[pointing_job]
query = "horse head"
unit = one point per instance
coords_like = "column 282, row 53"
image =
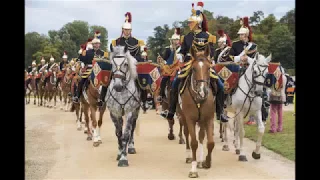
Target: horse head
column 258, row 70
column 200, row 72
column 123, row 67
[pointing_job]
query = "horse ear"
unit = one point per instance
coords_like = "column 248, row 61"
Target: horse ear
column 207, row 50
column 193, row 53
column 268, row 59
column 256, row 56
column 111, row 48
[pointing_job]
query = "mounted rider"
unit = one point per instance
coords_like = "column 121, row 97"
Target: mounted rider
column 51, row 62
column 92, row 50
column 42, row 63
column 243, row 48
column 169, row 56
column 144, row 53
column 134, row 47
column 198, row 37
column 62, row 66
column 224, row 44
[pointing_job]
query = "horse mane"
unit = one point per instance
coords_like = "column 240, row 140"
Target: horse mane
column 131, row 60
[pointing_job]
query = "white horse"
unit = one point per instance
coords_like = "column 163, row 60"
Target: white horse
column 123, row 98
column 247, row 99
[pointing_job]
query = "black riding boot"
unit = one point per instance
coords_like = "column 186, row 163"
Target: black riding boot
column 102, row 97
column 220, row 105
column 162, row 88
column 37, row 81
column 173, row 101
column 45, row 81
column 81, row 83
column 58, row 80
column 143, row 96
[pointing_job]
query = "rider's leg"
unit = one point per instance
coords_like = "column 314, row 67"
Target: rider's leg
column 102, row 97
column 220, row 101
column 162, row 87
column 173, row 99
column 37, row 81
column 45, row 81
column 143, row 96
column 81, row 83
column 58, row 80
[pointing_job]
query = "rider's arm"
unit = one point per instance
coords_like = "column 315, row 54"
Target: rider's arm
column 232, row 53
column 166, row 54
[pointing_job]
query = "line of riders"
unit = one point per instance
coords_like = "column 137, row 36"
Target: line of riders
column 179, row 50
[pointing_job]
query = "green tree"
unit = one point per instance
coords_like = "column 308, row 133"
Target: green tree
column 33, row 43
column 158, row 43
column 104, row 35
column 257, row 17
column 267, row 24
column 290, row 20
column 78, row 31
column 282, row 46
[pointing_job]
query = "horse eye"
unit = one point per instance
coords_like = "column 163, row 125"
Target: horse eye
column 255, row 72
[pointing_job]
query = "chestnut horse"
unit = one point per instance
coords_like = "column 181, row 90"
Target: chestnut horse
column 198, row 107
column 65, row 85
column 50, row 87
column 41, row 85
column 31, row 87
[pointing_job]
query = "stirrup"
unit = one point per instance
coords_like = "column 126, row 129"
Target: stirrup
column 75, row 99
column 164, row 113
column 100, row 103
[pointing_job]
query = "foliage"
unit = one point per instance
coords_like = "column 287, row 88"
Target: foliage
column 68, row 38
column 283, row 142
column 276, row 37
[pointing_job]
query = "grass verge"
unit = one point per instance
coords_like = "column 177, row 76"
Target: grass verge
column 281, row 142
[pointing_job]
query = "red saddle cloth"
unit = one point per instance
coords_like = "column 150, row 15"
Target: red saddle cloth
column 228, row 74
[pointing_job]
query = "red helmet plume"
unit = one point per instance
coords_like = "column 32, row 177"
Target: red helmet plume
column 129, row 17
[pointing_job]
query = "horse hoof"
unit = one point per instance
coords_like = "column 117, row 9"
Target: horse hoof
column 79, row 128
column 89, row 138
column 181, row 141
column 61, row 108
column 118, row 157
column 237, row 151
column 206, row 165
column 132, row 151
column 85, row 131
column 255, row 155
column 188, row 160
column 99, row 141
column 83, row 122
column 193, row 175
column 96, row 144
column 220, row 136
column 242, row 158
column 171, row 136
column 34, row 103
column 199, row 165
column 222, row 140
column 225, row 148
column 123, row 163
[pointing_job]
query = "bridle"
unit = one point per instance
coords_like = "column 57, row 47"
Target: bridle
column 123, row 74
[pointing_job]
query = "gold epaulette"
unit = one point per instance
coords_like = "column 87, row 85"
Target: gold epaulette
column 182, row 38
column 106, row 54
column 84, row 52
column 141, row 42
column 231, row 57
column 212, row 38
column 113, row 42
column 235, row 41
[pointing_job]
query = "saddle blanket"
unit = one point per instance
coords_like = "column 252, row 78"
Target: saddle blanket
column 148, row 76
column 228, row 73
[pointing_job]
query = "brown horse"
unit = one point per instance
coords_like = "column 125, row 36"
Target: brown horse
column 89, row 99
column 41, row 88
column 66, row 89
column 198, row 107
column 31, row 87
column 77, row 106
column 50, row 87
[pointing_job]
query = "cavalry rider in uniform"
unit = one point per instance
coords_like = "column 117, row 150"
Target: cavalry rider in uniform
column 134, row 47
column 89, row 55
column 51, row 62
column 224, row 44
column 169, row 57
column 62, row 65
column 244, row 48
column 198, row 36
column 42, row 63
column 144, row 54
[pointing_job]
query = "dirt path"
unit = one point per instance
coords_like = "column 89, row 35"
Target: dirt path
column 56, row 150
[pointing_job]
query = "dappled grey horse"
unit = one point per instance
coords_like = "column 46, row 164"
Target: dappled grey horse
column 123, row 98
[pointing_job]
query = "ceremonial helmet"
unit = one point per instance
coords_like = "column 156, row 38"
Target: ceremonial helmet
column 144, row 52
column 96, row 38
column 72, row 62
column 89, row 44
column 51, row 59
column 65, row 56
column 224, row 38
column 176, row 35
column 82, row 47
column 42, row 60
column 33, row 63
column 245, row 28
column 127, row 23
column 198, row 16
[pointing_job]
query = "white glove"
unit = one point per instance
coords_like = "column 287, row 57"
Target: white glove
column 73, row 68
column 82, row 65
column 179, row 57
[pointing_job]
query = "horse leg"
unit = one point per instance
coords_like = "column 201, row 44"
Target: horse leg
column 181, row 140
column 131, row 117
column 236, row 134
column 55, row 98
column 87, row 127
column 261, row 128
column 210, row 144
column 101, row 112
column 194, row 146
column 93, row 110
column 201, row 138
column 35, row 97
column 171, row 136
column 77, row 107
column 61, row 104
column 131, row 149
column 118, row 122
column 225, row 147
column 188, row 152
column 65, row 96
column 220, row 130
column 242, row 156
